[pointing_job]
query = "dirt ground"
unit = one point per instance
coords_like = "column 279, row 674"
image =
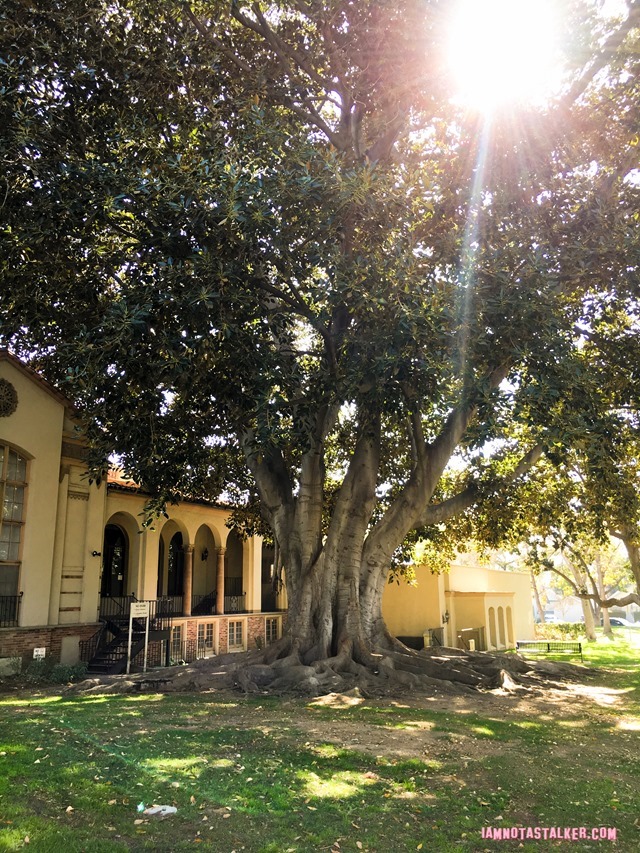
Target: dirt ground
column 418, row 739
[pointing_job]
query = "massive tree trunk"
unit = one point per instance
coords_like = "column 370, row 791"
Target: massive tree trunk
column 336, row 568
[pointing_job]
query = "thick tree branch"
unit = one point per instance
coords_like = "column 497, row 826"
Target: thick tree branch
column 273, row 481
column 607, row 53
column 206, row 33
column 438, row 513
column 620, row 601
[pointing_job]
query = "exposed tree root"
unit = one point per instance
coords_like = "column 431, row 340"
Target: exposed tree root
column 389, row 671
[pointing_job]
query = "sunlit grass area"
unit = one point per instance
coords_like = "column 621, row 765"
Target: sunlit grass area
column 276, row 776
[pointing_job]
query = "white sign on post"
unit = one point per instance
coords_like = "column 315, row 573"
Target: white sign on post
column 39, row 654
column 139, row 610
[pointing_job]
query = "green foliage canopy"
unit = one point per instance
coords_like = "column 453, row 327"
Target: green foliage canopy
column 267, row 236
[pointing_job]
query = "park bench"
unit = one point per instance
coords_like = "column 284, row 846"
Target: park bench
column 550, row 647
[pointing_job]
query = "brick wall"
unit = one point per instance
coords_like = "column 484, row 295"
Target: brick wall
column 20, row 642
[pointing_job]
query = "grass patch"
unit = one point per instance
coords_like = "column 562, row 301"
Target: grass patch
column 250, row 774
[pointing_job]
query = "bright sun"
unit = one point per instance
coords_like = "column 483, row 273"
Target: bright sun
column 504, row 52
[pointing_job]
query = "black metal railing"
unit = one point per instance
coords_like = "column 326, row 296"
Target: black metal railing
column 115, row 606
column 163, row 610
column 187, row 651
column 235, row 603
column 204, row 605
column 119, row 607
column 9, row 610
column 88, row 648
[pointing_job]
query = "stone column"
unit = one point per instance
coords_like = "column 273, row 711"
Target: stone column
column 187, row 588
column 220, row 582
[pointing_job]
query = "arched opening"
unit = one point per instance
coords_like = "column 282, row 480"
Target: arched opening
column 501, row 627
column 268, row 590
column 234, row 594
column 13, row 487
column 205, row 566
column 175, row 566
column 160, row 587
column 115, row 562
column 510, row 638
column 492, row 628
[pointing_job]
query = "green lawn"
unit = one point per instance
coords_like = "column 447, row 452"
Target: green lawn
column 262, row 775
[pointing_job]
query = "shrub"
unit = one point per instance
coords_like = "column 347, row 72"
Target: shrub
column 46, row 672
column 560, row 631
column 62, row 673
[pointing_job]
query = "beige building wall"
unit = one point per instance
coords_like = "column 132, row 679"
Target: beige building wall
column 35, row 431
column 410, row 609
column 467, row 597
column 493, row 582
column 63, row 514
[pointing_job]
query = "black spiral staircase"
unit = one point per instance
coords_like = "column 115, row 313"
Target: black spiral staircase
column 106, row 652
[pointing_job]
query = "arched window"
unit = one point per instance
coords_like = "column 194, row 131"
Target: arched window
column 114, row 566
column 13, row 487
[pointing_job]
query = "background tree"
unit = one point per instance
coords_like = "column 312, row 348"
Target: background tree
column 267, row 237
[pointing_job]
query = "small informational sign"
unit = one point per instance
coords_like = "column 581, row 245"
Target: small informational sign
column 39, row 654
column 138, row 610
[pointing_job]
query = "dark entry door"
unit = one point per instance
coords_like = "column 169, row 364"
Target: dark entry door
column 114, row 565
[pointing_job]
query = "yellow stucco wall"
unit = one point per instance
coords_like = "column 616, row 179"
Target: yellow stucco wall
column 35, row 431
column 63, row 514
column 410, row 609
column 467, row 578
column 466, row 592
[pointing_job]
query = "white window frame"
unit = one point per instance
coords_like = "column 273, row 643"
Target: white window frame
column 14, row 524
column 277, row 620
column 243, row 624
column 204, row 650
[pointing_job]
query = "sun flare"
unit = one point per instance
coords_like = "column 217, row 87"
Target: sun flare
column 504, row 52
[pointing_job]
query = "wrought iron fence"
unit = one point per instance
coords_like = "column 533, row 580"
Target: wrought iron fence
column 204, row 605
column 235, row 604
column 88, row 648
column 119, row 607
column 9, row 610
column 233, row 586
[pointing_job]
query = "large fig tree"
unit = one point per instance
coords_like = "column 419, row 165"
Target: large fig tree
column 263, row 242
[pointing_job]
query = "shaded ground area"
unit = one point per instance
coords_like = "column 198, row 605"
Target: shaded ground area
column 433, row 672
column 341, row 772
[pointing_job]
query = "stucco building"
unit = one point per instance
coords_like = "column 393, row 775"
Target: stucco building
column 73, row 555
column 471, row 605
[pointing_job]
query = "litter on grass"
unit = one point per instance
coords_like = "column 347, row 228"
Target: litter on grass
column 160, row 811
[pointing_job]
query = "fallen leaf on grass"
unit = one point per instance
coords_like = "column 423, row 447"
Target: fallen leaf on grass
column 69, row 809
